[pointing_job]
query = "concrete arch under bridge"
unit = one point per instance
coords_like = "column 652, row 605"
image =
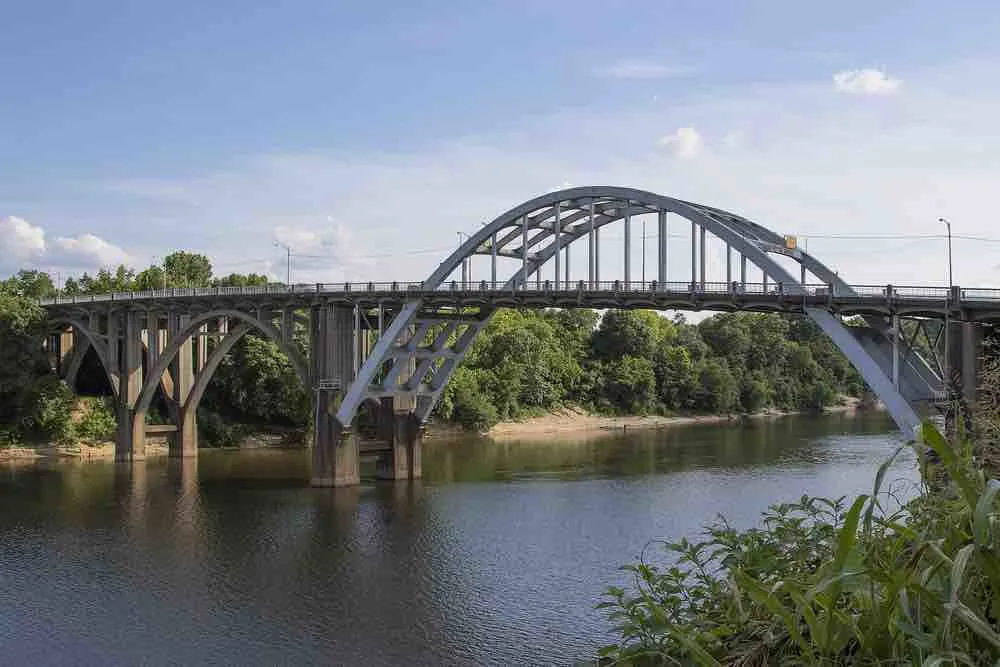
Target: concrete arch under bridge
column 397, row 345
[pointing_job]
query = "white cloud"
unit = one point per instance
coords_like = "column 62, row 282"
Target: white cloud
column 20, row 239
column 24, row 245
column 866, row 81
column 641, row 69
column 326, row 252
column 684, row 142
column 86, row 251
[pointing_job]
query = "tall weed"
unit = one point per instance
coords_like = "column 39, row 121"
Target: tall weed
column 828, row 582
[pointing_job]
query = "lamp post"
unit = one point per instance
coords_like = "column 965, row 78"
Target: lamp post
column 947, row 314
column 288, row 262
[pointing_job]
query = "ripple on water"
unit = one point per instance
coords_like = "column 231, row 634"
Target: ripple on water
column 498, row 557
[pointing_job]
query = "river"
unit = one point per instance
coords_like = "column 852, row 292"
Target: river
column 497, row 557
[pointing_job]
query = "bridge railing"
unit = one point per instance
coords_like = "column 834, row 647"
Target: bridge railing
column 402, row 289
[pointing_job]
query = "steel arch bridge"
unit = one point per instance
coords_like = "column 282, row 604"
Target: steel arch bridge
column 402, row 364
column 538, row 234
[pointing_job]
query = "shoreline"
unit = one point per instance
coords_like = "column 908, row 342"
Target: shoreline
column 103, row 451
column 575, row 421
column 566, row 422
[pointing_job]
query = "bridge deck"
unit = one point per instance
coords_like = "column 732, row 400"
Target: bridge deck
column 934, row 302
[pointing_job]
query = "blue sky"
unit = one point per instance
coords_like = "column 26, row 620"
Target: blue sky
column 360, row 132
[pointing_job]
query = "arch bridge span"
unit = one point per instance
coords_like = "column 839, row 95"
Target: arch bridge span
column 396, row 345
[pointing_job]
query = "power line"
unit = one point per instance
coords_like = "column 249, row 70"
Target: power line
column 898, row 237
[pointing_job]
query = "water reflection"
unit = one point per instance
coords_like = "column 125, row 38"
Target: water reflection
column 496, row 557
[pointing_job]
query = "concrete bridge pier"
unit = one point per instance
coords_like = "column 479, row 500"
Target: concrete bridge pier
column 402, row 431
column 125, row 354
column 965, row 350
column 335, row 456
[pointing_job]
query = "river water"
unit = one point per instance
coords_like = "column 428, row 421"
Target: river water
column 497, row 557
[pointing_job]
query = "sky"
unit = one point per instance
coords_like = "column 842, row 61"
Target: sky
column 366, row 136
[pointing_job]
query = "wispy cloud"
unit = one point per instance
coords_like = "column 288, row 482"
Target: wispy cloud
column 633, row 68
column 866, row 81
column 684, row 143
column 806, row 164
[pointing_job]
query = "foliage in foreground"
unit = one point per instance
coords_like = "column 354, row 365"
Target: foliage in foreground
column 824, row 583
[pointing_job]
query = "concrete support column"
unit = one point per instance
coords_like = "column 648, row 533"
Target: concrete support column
column 404, row 434
column 969, row 361
column 185, row 443
column 65, row 351
column 130, row 443
column 201, row 345
column 335, row 446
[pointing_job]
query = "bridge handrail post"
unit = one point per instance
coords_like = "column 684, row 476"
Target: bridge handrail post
column 888, row 294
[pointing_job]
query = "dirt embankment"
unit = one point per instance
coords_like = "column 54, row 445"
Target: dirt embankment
column 100, row 451
column 575, row 420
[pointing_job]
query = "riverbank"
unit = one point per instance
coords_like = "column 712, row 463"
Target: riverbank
column 101, row 451
column 567, row 422
column 576, row 421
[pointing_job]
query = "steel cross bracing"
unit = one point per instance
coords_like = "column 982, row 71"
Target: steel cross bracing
column 404, row 340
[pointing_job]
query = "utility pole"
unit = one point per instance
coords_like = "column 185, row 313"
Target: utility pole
column 947, row 315
column 288, row 262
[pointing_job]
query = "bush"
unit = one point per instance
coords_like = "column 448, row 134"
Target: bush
column 97, row 421
column 824, row 583
column 214, row 430
column 49, row 406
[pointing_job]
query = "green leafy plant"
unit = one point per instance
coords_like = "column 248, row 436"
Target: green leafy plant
column 824, row 582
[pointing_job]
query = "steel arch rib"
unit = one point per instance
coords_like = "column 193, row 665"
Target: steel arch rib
column 746, row 237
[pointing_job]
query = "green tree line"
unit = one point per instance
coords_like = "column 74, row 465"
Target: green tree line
column 524, row 363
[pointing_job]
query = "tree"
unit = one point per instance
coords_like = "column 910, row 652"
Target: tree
column 674, row 372
column 122, row 280
column 152, row 278
column 241, row 280
column 186, row 269
column 29, row 284
column 716, row 389
column 33, row 402
column 630, row 384
column 632, row 333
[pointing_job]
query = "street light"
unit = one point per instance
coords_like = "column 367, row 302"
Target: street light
column 288, row 261
column 947, row 314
